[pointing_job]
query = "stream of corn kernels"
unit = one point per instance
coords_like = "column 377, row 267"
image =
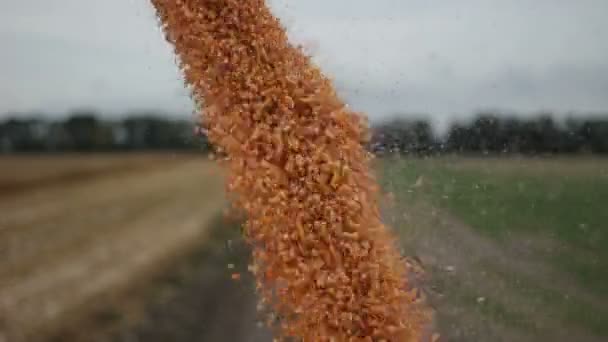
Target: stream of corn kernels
column 324, row 262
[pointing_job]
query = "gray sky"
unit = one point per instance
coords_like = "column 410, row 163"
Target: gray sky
column 441, row 57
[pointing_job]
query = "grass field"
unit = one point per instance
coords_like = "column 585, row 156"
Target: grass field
column 518, row 247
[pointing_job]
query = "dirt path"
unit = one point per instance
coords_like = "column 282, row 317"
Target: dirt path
column 60, row 247
column 209, row 305
column 195, row 299
column 489, row 291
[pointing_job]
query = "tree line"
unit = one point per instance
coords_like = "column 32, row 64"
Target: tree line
column 85, row 131
column 489, row 133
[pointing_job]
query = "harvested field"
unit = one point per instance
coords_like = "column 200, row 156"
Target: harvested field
column 146, row 255
column 20, row 173
column 65, row 240
column 195, row 299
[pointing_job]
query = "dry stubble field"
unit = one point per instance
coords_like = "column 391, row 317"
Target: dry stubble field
column 77, row 229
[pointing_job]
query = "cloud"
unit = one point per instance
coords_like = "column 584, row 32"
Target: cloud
column 386, row 56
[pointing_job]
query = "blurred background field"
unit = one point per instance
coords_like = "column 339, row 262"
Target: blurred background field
column 112, row 229
column 516, row 247
column 134, row 246
column 74, row 227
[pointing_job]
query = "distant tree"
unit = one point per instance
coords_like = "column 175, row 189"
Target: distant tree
column 485, row 134
column 403, row 136
column 423, row 141
column 458, row 138
column 488, row 133
column 149, row 131
column 57, row 138
column 510, row 137
column 551, row 140
column 22, row 135
column 493, row 133
column 595, row 135
column 86, row 132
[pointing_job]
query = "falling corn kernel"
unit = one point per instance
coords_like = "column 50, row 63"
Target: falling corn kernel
column 325, row 264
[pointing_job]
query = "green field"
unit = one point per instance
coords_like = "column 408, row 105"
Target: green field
column 531, row 232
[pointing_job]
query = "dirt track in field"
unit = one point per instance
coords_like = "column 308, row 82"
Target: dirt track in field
column 483, row 290
column 71, row 240
column 194, row 299
column 198, row 300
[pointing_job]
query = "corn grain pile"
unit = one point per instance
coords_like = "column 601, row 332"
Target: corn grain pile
column 324, row 261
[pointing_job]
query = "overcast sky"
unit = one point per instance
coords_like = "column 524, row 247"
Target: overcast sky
column 445, row 58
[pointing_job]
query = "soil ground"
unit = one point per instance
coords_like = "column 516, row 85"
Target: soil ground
column 196, row 299
column 139, row 251
column 77, row 228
